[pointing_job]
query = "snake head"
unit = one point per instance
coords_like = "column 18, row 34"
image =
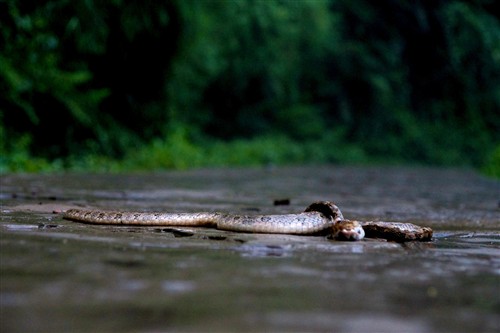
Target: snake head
column 348, row 230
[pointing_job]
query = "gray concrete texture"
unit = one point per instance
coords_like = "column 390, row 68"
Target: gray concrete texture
column 62, row 276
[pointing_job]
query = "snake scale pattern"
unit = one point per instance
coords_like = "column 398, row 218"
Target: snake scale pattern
column 322, row 217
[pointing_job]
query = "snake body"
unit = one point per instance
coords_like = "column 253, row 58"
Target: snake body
column 302, row 224
column 319, row 218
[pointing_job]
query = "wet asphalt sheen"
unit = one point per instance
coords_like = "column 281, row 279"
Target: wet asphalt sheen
column 63, row 276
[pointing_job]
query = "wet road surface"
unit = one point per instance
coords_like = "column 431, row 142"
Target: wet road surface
column 58, row 275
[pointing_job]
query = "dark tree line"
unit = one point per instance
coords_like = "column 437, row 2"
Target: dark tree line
column 416, row 80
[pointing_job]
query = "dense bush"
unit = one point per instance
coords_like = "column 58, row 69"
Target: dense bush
column 178, row 84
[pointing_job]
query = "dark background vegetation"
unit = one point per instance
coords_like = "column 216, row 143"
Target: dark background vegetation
column 141, row 84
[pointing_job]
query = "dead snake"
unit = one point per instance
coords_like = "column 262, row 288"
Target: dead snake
column 322, row 217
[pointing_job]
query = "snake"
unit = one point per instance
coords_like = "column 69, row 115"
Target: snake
column 319, row 218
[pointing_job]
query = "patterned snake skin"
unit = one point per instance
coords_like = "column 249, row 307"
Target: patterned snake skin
column 322, row 217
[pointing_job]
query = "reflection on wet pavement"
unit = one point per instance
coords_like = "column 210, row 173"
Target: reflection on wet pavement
column 58, row 275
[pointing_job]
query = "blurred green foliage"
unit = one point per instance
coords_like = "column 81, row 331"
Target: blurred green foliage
column 120, row 85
